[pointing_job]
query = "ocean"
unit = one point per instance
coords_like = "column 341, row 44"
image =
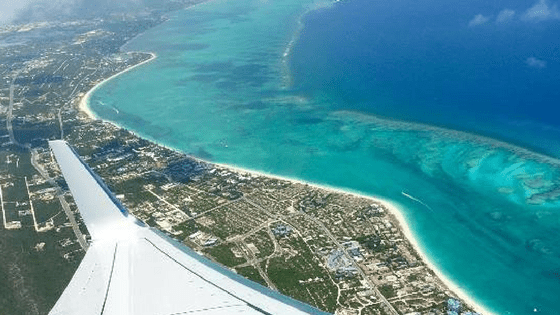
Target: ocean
column 452, row 118
column 422, row 62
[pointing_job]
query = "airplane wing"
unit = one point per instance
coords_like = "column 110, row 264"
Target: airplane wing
column 130, row 268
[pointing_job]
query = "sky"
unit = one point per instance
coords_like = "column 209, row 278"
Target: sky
column 38, row 10
column 541, row 10
column 10, row 8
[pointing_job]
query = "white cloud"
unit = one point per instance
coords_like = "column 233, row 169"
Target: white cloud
column 9, row 9
column 479, row 19
column 505, row 15
column 542, row 11
column 536, row 63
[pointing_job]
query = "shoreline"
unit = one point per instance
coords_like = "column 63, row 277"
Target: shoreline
column 83, row 104
column 394, row 209
column 391, row 206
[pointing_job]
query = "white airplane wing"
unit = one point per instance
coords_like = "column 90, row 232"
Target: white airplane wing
column 130, row 268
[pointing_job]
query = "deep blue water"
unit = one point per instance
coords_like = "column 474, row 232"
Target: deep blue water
column 421, row 61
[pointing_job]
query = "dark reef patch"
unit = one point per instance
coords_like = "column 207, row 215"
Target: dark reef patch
column 203, row 154
column 204, row 78
column 186, row 46
column 308, row 121
column 214, row 67
column 256, row 105
column 230, row 77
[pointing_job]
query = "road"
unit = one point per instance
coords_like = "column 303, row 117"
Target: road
column 65, row 206
column 215, row 208
column 11, row 117
column 61, row 126
column 343, row 249
column 3, row 212
column 31, row 206
column 166, row 202
column 59, row 114
column 75, row 227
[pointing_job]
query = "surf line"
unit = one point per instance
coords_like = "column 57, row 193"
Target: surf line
column 417, row 200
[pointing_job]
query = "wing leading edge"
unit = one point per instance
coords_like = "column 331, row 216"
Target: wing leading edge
column 133, row 269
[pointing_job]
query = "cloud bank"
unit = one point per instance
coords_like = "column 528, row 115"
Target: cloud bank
column 505, row 15
column 479, row 19
column 536, row 63
column 542, row 11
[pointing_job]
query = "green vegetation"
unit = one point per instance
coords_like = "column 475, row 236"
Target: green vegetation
column 387, row 291
column 301, row 277
column 251, row 273
column 412, row 277
column 222, row 253
column 44, row 210
column 189, row 227
column 371, row 310
column 33, row 279
column 262, row 241
column 223, row 218
column 203, row 202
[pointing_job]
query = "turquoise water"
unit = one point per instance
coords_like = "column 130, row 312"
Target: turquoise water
column 221, row 90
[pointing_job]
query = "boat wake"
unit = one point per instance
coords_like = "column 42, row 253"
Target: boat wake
column 416, row 200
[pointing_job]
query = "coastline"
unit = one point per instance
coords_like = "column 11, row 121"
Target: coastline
column 391, row 206
column 394, row 210
column 83, row 104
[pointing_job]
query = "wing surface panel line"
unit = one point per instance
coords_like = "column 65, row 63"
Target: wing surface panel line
column 110, row 277
column 256, row 308
column 208, row 309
